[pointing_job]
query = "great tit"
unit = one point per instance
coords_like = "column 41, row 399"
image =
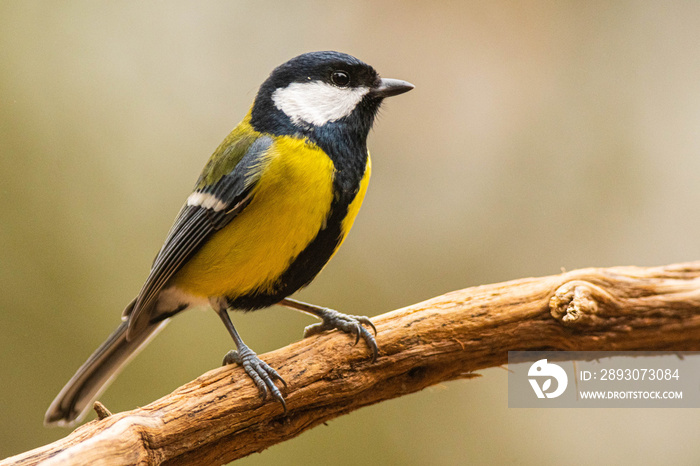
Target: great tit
column 271, row 207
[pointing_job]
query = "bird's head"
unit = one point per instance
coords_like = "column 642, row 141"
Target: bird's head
column 321, row 93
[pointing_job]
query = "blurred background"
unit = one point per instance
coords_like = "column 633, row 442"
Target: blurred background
column 540, row 136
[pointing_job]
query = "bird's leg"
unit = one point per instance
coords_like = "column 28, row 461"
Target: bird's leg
column 333, row 319
column 263, row 375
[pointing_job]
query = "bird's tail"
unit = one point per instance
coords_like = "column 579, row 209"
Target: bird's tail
column 92, row 378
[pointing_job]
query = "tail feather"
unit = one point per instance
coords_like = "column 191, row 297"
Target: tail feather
column 74, row 400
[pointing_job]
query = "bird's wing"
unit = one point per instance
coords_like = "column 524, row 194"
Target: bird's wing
column 222, row 192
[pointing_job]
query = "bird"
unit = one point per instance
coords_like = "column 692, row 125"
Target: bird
column 271, row 207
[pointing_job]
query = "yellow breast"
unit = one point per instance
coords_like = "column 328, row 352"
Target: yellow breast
column 289, row 206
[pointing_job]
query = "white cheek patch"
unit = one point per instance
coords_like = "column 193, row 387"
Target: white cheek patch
column 316, row 102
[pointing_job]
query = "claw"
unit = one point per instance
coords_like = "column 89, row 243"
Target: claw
column 366, row 321
column 263, row 376
column 371, row 342
column 348, row 324
column 357, row 331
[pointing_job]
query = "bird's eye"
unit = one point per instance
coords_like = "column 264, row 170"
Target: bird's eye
column 340, row 78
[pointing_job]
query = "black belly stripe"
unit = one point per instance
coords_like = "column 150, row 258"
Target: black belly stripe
column 304, row 268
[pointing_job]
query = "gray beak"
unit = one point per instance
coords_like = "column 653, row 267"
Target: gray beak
column 390, row 87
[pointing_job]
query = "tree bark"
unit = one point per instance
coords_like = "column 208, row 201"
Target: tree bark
column 219, row 417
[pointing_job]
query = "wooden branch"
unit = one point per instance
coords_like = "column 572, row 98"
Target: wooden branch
column 219, row 417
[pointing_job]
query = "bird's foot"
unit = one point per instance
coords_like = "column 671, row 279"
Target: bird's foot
column 263, row 375
column 345, row 323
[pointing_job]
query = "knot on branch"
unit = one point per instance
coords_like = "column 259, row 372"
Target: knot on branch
column 581, row 303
